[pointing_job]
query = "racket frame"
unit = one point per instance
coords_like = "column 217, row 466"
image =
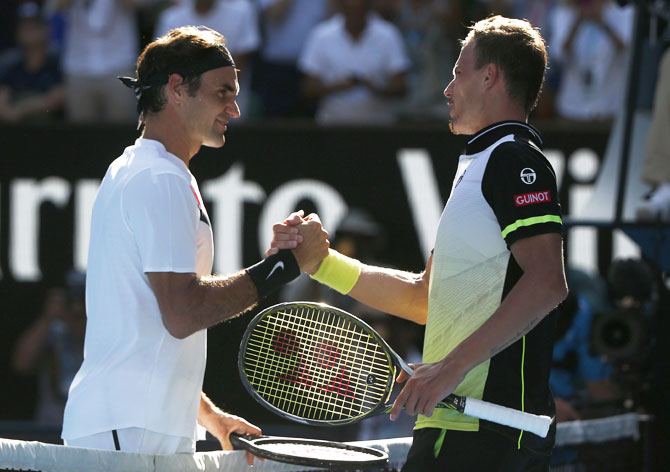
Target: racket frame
column 254, row 443
column 394, row 361
column 535, row 424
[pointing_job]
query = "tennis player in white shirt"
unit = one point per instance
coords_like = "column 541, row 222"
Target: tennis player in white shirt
column 150, row 294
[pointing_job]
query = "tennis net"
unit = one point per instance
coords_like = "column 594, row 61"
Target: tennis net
column 32, row 455
column 577, row 442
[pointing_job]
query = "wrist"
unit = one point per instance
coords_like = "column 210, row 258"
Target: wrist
column 338, row 271
column 273, row 272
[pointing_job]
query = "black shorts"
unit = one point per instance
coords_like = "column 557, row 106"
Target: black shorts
column 471, row 451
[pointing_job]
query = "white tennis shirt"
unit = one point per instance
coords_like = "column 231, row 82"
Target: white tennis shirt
column 148, row 217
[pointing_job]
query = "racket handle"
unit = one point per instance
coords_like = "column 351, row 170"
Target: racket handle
column 536, row 424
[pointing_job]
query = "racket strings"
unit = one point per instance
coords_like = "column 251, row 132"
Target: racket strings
column 316, row 364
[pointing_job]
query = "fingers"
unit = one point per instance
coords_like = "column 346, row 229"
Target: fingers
column 402, row 376
column 295, row 218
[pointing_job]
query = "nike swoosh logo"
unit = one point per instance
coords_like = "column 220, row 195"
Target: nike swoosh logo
column 279, row 265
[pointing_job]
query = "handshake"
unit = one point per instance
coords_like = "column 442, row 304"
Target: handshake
column 305, row 236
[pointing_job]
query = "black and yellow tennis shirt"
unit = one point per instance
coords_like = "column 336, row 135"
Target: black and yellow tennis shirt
column 504, row 190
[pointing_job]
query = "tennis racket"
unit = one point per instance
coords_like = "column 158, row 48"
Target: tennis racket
column 316, row 364
column 310, row 452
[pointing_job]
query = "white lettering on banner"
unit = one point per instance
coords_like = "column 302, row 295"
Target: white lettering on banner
column 329, row 204
column 423, row 194
column 228, row 194
column 27, row 196
column 84, row 197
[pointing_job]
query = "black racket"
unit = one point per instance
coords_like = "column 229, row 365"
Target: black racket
column 310, row 452
column 319, row 365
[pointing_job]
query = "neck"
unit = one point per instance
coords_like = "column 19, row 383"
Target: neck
column 504, row 110
column 355, row 26
column 162, row 127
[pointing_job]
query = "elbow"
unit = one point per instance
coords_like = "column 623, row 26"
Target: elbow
column 557, row 290
column 175, row 322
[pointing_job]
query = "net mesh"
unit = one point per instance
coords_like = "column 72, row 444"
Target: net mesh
column 37, row 456
column 316, row 364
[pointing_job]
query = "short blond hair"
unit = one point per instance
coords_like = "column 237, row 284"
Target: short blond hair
column 517, row 49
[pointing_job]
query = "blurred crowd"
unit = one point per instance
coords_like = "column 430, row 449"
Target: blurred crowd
column 337, row 61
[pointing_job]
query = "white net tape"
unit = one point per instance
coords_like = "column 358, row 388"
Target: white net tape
column 37, row 456
column 31, row 455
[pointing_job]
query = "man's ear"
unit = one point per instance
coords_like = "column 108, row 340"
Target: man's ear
column 174, row 89
column 492, row 75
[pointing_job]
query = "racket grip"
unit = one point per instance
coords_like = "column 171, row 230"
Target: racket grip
column 536, row 424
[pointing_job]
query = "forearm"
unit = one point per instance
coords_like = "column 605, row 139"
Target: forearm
column 201, row 302
column 30, row 345
column 208, row 412
column 399, row 293
column 47, row 102
column 529, row 301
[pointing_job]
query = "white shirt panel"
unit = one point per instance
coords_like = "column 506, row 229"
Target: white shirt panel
column 332, row 55
column 147, row 216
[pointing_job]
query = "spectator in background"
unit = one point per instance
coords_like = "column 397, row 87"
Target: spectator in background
column 656, row 170
column 430, row 29
column 53, row 348
column 101, row 43
column 578, row 374
column 31, row 83
column 354, row 64
column 590, row 39
column 285, row 26
column 235, row 19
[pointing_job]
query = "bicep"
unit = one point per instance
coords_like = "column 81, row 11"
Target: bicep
column 541, row 257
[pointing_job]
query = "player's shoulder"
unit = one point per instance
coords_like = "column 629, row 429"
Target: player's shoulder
column 508, row 155
column 328, row 29
column 148, row 162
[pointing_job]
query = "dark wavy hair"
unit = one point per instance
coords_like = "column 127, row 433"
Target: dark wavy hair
column 186, row 51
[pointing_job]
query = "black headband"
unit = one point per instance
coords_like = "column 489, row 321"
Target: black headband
column 213, row 59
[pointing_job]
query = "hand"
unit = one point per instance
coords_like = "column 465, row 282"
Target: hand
column 427, row 386
column 226, row 424
column 285, row 235
column 565, row 411
column 55, row 304
column 314, row 246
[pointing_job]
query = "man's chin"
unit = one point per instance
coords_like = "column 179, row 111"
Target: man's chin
column 215, row 142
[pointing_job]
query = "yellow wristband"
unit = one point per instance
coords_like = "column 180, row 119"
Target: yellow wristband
column 338, row 271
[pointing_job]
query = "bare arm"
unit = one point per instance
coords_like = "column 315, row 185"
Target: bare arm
column 50, row 101
column 541, row 288
column 221, row 424
column 397, row 292
column 400, row 293
column 189, row 303
column 32, row 343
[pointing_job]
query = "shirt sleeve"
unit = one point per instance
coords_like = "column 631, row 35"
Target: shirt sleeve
column 520, row 186
column 163, row 215
column 311, row 57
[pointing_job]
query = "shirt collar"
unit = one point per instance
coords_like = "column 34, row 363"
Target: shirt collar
column 492, row 133
column 160, row 147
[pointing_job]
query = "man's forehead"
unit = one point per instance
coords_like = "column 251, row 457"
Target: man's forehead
column 221, row 77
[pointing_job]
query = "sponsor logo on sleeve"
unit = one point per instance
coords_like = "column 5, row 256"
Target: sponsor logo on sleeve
column 527, row 175
column 532, row 198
